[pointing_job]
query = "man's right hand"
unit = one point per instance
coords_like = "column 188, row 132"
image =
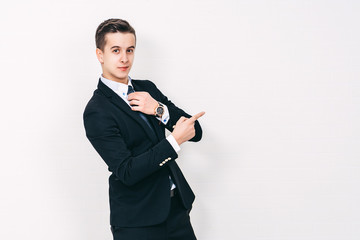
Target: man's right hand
column 184, row 129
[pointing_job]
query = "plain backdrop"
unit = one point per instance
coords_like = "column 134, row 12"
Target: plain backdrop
column 279, row 81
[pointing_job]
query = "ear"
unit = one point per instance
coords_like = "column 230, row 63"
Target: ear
column 100, row 55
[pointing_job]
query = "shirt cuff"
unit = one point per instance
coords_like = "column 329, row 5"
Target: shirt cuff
column 165, row 117
column 173, row 143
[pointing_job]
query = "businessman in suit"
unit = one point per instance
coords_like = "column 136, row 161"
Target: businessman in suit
column 125, row 121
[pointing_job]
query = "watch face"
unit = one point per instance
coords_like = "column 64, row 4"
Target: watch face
column 160, row 110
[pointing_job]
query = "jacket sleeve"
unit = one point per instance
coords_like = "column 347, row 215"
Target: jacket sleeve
column 106, row 138
column 175, row 114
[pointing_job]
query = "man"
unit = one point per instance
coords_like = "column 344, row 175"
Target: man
column 125, row 121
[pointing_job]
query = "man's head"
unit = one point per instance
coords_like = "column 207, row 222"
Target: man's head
column 112, row 25
column 115, row 46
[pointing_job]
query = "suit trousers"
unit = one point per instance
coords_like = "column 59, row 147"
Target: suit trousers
column 176, row 227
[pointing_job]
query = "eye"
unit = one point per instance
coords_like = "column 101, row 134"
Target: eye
column 116, row 51
column 130, row 50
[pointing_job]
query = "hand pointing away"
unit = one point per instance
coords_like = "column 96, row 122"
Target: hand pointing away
column 184, row 128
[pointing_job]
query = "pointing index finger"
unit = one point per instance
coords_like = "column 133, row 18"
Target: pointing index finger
column 196, row 116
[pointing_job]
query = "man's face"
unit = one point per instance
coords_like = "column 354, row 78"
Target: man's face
column 118, row 56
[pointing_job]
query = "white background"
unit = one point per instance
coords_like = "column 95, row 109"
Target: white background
column 279, row 81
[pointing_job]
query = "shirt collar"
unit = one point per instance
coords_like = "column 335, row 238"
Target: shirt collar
column 119, row 88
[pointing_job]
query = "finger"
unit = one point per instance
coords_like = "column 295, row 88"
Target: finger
column 181, row 119
column 141, row 92
column 134, row 102
column 139, row 95
column 136, row 108
column 134, row 95
column 196, row 116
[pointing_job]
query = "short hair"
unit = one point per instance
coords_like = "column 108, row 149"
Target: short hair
column 112, row 25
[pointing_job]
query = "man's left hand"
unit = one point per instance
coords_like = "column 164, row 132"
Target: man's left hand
column 142, row 102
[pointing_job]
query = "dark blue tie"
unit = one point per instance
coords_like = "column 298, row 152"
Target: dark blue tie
column 131, row 90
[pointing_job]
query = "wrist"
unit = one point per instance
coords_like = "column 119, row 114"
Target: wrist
column 159, row 110
column 173, row 142
column 177, row 139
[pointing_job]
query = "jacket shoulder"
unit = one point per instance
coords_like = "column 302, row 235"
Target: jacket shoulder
column 97, row 102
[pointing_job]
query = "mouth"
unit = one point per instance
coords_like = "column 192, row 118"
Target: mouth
column 123, row 68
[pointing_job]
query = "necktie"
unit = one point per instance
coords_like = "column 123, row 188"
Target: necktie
column 131, row 90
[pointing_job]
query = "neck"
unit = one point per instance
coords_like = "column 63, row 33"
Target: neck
column 116, row 79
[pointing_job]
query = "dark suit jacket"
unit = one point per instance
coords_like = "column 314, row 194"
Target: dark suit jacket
column 139, row 183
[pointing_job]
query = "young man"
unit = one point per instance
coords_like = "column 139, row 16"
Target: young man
column 125, row 121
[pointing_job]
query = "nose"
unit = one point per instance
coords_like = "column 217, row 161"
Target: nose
column 123, row 57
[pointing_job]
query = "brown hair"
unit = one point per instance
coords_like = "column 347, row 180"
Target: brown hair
column 111, row 26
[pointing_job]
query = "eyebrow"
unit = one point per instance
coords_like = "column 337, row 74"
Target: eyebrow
column 120, row 47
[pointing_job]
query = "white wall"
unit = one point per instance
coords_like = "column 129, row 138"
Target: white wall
column 279, row 81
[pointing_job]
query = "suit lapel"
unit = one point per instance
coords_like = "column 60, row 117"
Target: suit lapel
column 114, row 98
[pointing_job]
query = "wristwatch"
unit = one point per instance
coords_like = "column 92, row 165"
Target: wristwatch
column 159, row 110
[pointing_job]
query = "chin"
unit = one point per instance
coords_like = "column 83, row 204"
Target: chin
column 122, row 77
